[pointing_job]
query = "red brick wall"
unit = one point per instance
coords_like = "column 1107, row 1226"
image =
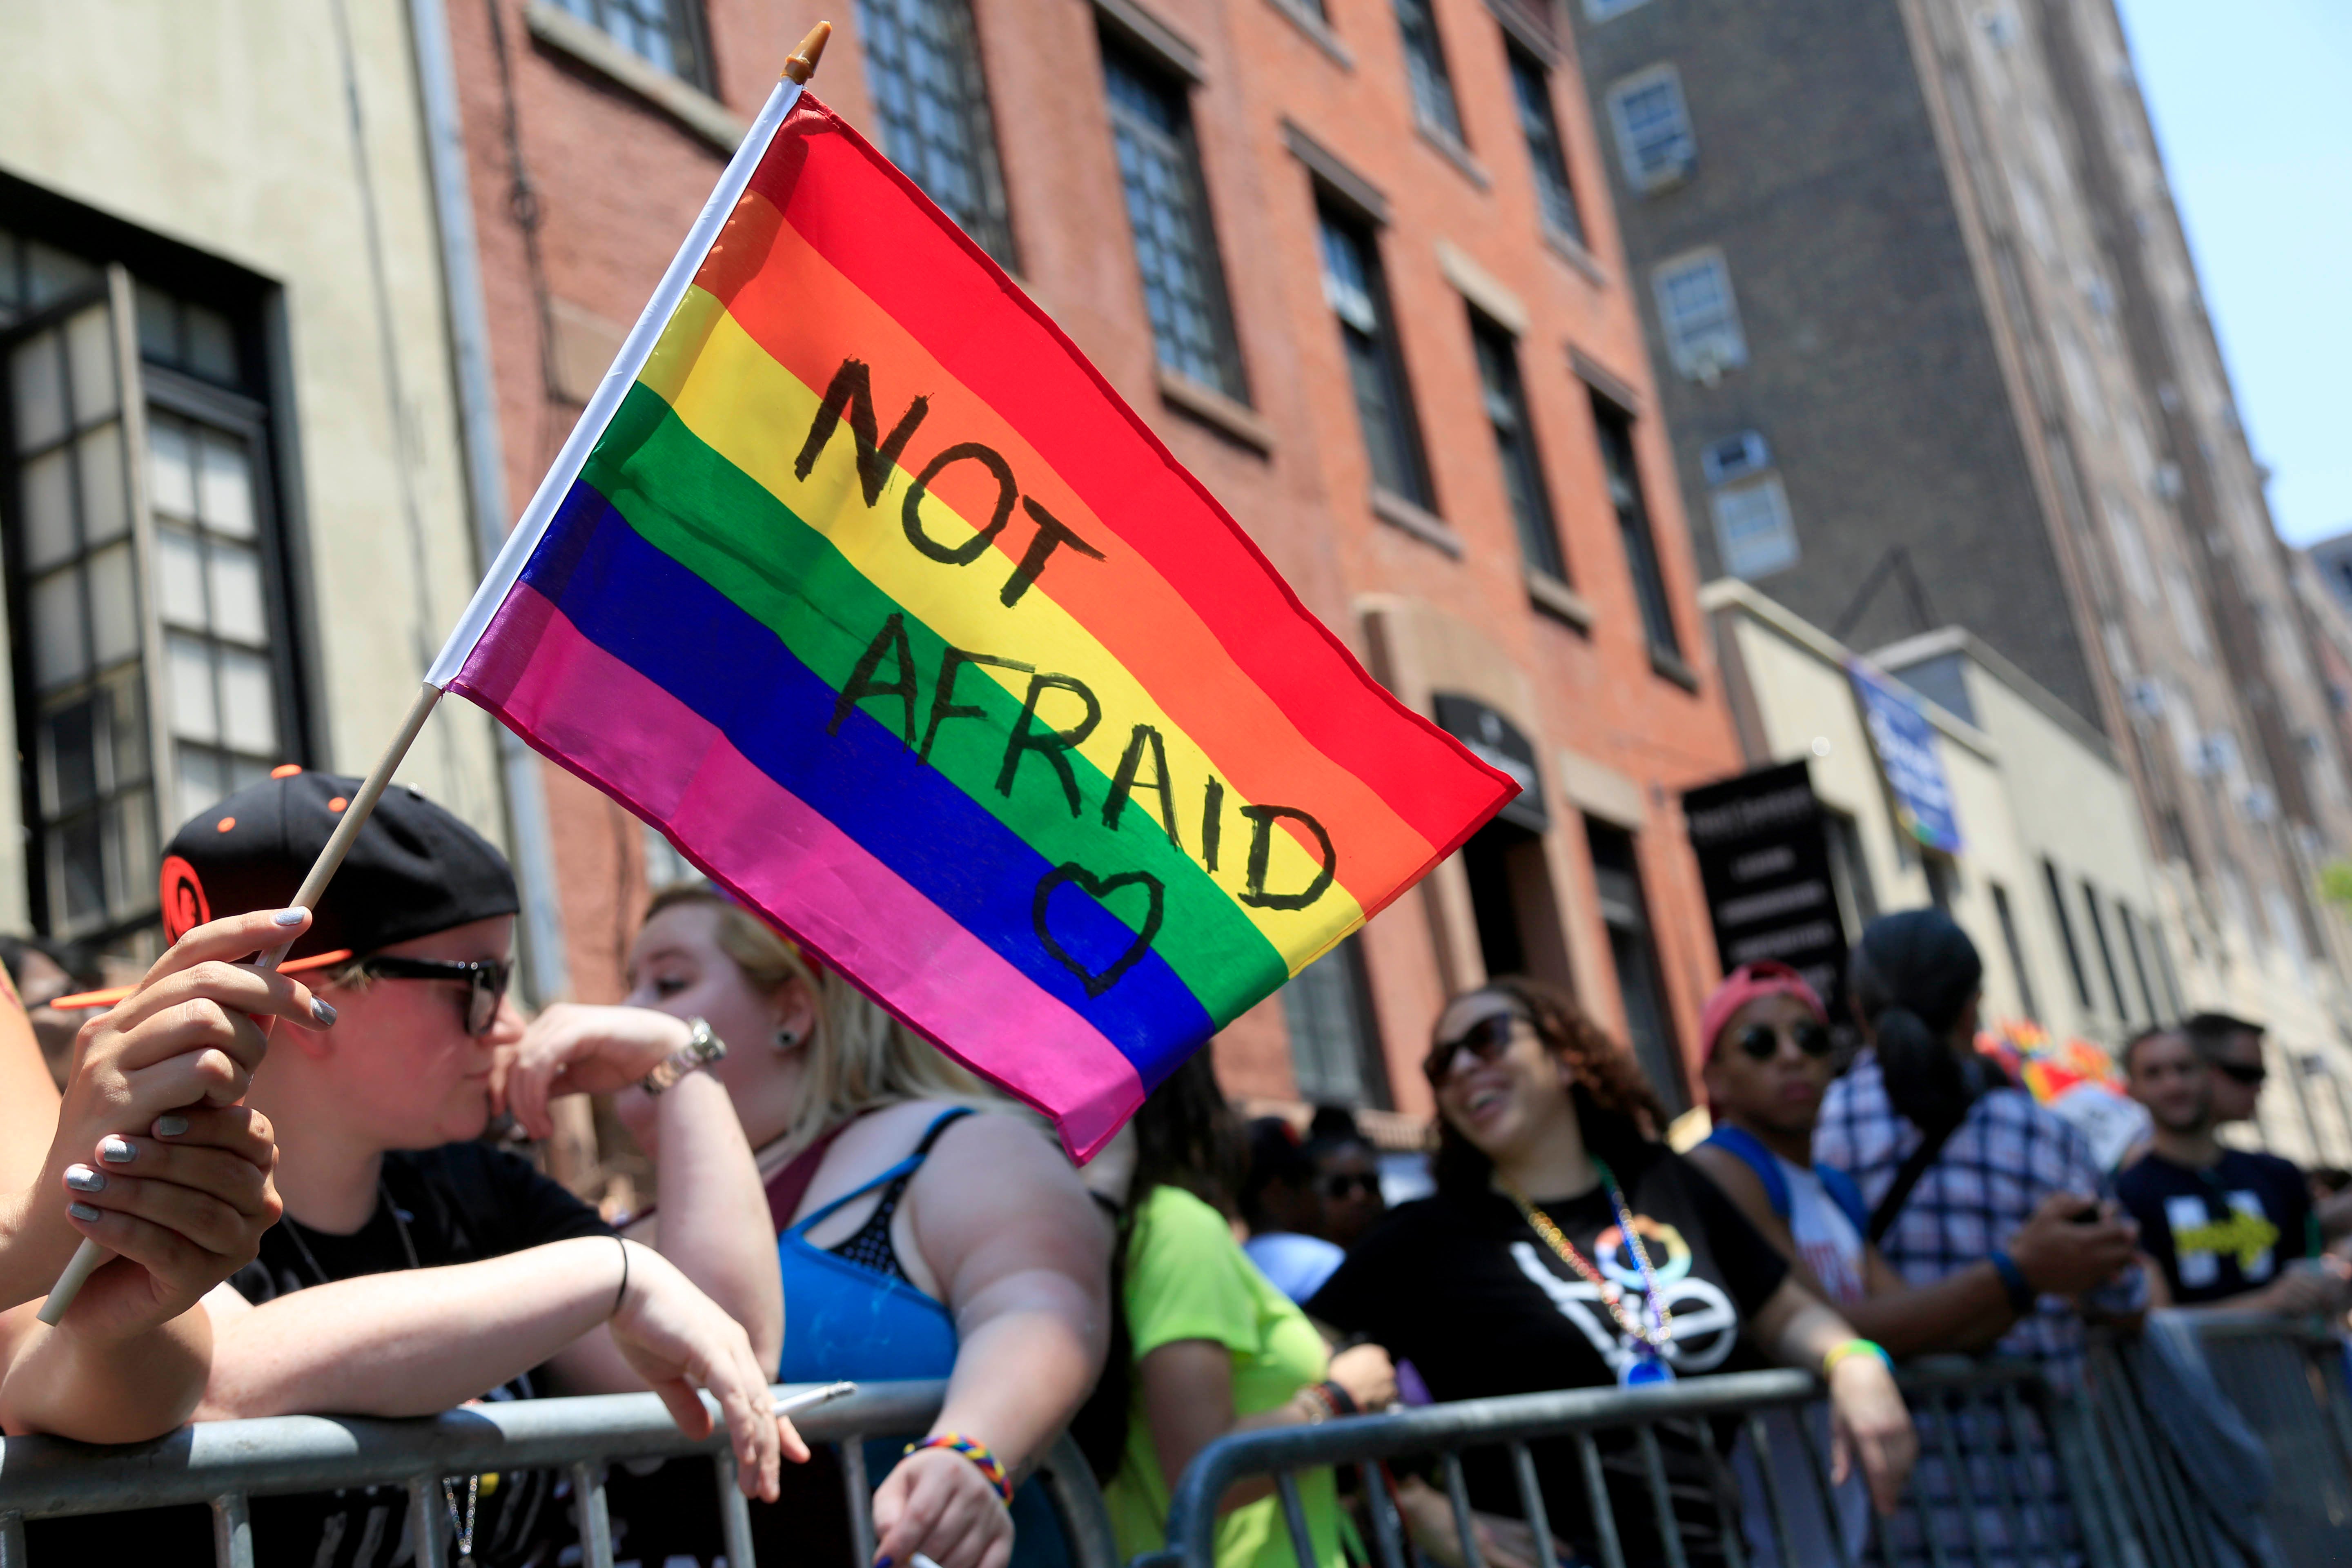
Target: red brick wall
column 618, row 181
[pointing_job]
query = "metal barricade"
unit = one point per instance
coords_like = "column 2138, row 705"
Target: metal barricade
column 224, row 1464
column 2010, row 1475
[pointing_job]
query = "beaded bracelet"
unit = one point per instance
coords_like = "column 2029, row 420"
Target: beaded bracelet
column 1845, row 1349
column 978, row 1453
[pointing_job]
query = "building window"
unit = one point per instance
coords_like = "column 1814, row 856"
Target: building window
column 1358, row 298
column 1168, row 210
column 2131, row 929
column 1515, row 443
column 1649, row 1024
column 923, row 67
column 1655, row 146
column 1698, row 317
column 1334, row 1047
column 1849, row 871
column 2082, row 976
column 668, row 33
column 1753, row 527
column 1602, row 10
column 2107, row 953
column 141, row 700
column 1424, row 62
column 2016, row 950
column 1532, row 84
column 1615, row 429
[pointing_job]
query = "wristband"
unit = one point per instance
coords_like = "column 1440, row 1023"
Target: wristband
column 1848, row 1349
column 1342, row 1401
column 2022, row 1295
column 978, row 1452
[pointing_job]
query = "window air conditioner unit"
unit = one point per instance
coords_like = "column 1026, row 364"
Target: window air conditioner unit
column 2258, row 803
column 1735, row 458
column 2145, row 697
column 1705, row 359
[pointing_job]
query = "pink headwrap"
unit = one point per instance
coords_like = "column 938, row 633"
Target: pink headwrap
column 1749, row 982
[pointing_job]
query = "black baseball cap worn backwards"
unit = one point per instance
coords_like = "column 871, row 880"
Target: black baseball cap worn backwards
column 413, row 869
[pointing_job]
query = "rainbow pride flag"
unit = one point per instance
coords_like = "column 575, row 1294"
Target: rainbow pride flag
column 859, row 583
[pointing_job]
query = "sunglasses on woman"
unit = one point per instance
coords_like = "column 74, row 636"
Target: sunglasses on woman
column 2249, row 1074
column 1341, row 1186
column 1761, row 1042
column 1486, row 1040
column 485, row 980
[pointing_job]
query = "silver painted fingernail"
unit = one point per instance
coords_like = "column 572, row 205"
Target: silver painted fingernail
column 321, row 1011
column 290, row 917
column 171, row 1126
column 82, row 1179
column 116, row 1150
column 85, row 1211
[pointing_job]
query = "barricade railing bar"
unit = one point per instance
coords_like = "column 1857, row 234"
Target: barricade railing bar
column 2011, row 1475
column 224, row 1464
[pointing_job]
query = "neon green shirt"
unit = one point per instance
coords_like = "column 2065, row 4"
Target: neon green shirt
column 1187, row 1278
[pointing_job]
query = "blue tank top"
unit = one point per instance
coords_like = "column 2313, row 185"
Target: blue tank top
column 843, row 1318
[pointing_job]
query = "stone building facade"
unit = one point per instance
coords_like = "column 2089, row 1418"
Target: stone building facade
column 1930, row 341
column 1356, row 263
column 233, row 508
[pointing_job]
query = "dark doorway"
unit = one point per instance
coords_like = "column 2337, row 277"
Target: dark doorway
column 1511, row 898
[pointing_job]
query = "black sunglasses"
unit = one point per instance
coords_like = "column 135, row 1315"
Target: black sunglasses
column 2240, row 1072
column 485, row 980
column 1761, row 1042
column 1485, row 1039
column 1338, row 1185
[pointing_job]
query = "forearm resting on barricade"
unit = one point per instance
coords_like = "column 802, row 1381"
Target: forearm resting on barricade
column 407, row 1343
column 64, row 1383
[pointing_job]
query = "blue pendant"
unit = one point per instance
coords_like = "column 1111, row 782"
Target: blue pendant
column 1644, row 1369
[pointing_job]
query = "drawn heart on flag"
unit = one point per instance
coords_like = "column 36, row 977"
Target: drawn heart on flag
column 1099, row 889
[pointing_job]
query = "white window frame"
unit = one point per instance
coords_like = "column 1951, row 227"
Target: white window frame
column 1703, row 356
column 1762, row 555
column 1645, row 177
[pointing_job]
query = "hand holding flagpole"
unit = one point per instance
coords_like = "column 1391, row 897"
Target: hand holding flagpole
column 798, row 67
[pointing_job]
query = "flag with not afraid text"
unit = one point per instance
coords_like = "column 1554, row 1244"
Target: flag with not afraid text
column 874, row 596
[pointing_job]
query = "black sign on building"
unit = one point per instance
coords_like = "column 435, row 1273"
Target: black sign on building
column 1764, row 856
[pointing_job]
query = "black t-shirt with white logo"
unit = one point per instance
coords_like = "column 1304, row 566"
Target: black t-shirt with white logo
column 1462, row 1287
column 462, row 1202
column 2223, row 1230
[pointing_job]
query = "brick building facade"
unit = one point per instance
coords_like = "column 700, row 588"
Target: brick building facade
column 1930, row 341
column 1356, row 263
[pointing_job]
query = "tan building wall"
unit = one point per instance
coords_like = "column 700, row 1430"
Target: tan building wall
column 284, row 140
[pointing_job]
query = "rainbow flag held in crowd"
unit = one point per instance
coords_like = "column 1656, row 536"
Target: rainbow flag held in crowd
column 861, row 583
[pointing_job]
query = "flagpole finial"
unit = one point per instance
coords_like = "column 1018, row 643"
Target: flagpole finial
column 801, row 64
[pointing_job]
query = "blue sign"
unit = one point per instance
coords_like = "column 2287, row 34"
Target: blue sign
column 1905, row 743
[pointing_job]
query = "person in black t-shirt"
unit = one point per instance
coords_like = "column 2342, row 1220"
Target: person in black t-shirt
column 2224, row 1226
column 1502, row 1283
column 416, row 1269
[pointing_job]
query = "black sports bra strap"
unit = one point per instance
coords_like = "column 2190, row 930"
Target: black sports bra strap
column 947, row 1120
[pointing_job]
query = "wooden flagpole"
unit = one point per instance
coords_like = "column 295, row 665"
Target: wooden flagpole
column 798, row 67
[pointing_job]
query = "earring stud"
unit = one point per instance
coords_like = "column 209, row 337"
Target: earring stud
column 787, row 1038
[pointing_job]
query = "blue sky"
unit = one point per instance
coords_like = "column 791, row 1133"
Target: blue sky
column 2252, row 104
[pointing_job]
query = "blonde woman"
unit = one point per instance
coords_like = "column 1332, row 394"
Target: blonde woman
column 927, row 1228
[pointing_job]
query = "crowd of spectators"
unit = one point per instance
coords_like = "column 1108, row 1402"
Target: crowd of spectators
column 310, row 1212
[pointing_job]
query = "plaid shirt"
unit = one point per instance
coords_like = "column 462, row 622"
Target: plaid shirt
column 1995, row 1169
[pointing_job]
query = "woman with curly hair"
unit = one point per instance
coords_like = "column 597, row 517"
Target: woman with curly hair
column 1565, row 1248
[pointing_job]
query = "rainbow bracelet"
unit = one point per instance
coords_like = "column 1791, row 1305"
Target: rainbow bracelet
column 1854, row 1347
column 978, row 1452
